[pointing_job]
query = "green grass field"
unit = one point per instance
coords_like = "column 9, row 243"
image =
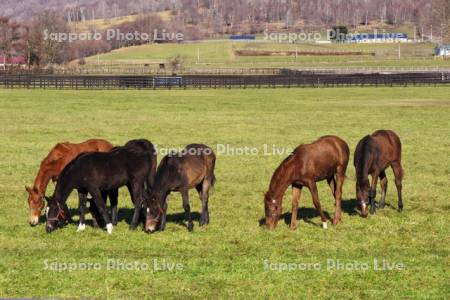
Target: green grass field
column 220, row 54
column 230, row 258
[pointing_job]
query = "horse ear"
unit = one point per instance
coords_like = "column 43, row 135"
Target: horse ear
column 28, row 189
column 49, row 199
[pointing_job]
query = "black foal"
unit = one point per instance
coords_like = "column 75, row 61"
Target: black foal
column 133, row 165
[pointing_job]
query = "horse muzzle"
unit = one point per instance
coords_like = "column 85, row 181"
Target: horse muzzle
column 364, row 210
column 150, row 226
column 50, row 228
column 150, row 229
column 34, row 220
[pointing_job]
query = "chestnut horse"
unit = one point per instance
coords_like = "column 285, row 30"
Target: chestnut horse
column 51, row 167
column 373, row 154
column 132, row 165
column 192, row 167
column 326, row 158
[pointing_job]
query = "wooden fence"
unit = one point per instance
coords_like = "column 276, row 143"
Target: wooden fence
column 229, row 81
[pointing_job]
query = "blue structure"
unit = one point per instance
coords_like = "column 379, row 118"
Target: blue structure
column 242, row 37
column 167, row 81
column 377, row 37
column 443, row 50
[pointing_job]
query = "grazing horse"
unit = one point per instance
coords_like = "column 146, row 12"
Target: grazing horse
column 51, row 167
column 133, row 165
column 192, row 167
column 373, row 154
column 326, row 158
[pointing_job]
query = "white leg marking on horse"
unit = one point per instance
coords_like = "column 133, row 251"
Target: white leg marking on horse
column 81, row 227
column 324, row 225
column 109, row 228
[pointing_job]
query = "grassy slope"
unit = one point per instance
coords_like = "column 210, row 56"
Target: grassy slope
column 209, row 51
column 220, row 54
column 227, row 258
column 102, row 24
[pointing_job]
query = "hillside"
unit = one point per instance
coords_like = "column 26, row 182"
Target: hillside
column 79, row 10
column 102, row 24
column 232, row 15
column 224, row 54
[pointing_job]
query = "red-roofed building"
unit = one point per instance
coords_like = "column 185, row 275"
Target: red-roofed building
column 12, row 61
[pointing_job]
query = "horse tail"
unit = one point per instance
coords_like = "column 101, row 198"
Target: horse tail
column 153, row 164
column 401, row 172
column 152, row 174
column 213, row 179
column 212, row 167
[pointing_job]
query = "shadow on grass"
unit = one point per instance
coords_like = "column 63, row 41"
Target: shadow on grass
column 349, row 206
column 126, row 214
column 303, row 213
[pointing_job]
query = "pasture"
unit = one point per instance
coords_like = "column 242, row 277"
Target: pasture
column 233, row 257
column 222, row 54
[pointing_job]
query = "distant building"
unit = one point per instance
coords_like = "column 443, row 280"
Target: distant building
column 12, row 61
column 242, row 37
column 443, row 50
column 377, row 38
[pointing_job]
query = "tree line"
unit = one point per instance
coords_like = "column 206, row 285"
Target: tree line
column 233, row 13
column 39, row 40
column 23, row 22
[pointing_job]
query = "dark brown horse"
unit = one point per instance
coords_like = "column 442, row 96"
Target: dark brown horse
column 326, row 158
column 51, row 167
column 373, row 154
column 192, row 167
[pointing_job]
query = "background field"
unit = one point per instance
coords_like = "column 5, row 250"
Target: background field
column 221, row 54
column 227, row 258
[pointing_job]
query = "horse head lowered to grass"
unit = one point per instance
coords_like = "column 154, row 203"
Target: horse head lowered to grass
column 132, row 165
column 326, row 158
column 52, row 165
column 193, row 167
column 373, row 154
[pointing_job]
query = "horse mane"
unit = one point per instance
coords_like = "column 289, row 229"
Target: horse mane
column 363, row 159
column 61, row 188
column 163, row 168
column 279, row 177
column 54, row 154
column 141, row 145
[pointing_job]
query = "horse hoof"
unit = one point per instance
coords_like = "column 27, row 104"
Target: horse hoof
column 335, row 222
column 324, row 225
column 109, row 228
column 190, row 227
column 293, row 227
column 81, row 227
